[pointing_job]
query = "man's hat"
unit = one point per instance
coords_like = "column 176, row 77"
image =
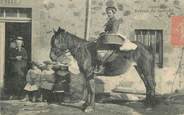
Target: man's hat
column 19, row 38
column 114, row 9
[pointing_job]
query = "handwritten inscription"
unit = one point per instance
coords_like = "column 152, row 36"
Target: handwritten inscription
column 153, row 9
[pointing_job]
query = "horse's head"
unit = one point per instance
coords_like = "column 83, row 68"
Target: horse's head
column 58, row 44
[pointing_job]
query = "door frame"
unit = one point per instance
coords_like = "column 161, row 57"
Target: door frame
column 2, row 48
column 2, row 54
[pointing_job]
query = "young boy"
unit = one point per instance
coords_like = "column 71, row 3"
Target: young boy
column 47, row 81
column 33, row 82
column 62, row 84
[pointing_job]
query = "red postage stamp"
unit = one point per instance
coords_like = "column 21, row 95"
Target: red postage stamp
column 177, row 31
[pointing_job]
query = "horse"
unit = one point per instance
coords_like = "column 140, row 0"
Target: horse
column 85, row 53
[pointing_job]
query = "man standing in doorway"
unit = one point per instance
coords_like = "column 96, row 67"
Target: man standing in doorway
column 18, row 61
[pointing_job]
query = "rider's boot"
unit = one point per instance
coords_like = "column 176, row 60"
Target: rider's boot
column 99, row 69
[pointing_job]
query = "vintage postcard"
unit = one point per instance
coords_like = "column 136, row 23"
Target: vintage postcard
column 97, row 57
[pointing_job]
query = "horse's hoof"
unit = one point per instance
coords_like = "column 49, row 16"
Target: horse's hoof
column 84, row 106
column 89, row 109
column 149, row 109
column 81, row 102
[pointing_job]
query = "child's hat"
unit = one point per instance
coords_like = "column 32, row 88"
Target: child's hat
column 34, row 63
column 47, row 62
column 112, row 8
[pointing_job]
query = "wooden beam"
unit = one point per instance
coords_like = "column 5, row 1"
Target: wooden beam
column 87, row 19
column 129, row 91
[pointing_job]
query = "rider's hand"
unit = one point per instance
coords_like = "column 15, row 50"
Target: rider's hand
column 102, row 33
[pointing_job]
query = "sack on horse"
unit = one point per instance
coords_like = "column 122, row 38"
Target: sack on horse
column 107, row 47
column 113, row 41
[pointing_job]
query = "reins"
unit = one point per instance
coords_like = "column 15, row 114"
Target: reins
column 74, row 47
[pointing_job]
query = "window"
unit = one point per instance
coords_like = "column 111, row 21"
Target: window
column 11, row 12
column 1, row 12
column 25, row 12
column 15, row 13
column 153, row 39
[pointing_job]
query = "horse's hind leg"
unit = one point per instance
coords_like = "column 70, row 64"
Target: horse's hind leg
column 150, row 90
column 149, row 85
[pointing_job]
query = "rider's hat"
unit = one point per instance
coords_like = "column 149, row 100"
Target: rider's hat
column 112, row 8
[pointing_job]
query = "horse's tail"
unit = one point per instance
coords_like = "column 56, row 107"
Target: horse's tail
column 144, row 51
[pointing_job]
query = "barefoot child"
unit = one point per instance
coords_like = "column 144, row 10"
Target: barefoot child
column 33, row 82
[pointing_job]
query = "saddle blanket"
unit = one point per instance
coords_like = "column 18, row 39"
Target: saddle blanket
column 127, row 44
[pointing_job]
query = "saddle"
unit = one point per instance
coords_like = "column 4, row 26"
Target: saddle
column 111, row 43
column 107, row 47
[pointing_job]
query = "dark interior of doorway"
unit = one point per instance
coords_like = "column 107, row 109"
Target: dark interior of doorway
column 12, row 30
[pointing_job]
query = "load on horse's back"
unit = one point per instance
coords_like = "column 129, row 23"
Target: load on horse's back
column 110, row 39
column 85, row 53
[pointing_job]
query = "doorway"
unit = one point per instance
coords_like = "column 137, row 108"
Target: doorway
column 12, row 30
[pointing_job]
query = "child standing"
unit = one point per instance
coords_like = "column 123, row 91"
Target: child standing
column 33, row 82
column 62, row 84
column 47, row 81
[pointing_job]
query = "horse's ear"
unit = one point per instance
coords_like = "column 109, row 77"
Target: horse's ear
column 60, row 29
column 54, row 30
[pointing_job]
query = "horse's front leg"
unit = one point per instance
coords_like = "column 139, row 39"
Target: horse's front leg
column 84, row 91
column 91, row 95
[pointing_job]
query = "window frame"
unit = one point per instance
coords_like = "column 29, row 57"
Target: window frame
column 17, row 12
column 154, row 39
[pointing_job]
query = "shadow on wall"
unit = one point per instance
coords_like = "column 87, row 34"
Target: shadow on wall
column 99, row 86
column 77, row 86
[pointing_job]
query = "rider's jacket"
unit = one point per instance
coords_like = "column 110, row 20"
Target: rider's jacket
column 112, row 25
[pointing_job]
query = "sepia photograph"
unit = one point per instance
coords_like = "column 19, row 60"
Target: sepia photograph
column 96, row 57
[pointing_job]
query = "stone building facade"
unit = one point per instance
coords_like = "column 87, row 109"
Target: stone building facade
column 140, row 19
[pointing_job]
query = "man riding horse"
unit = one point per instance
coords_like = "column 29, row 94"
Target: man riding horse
column 111, row 33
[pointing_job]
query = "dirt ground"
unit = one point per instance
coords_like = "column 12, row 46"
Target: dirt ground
column 168, row 106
